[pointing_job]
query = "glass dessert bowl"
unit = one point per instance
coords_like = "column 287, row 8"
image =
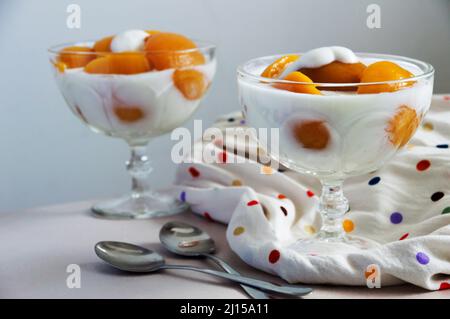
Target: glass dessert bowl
column 338, row 114
column 135, row 85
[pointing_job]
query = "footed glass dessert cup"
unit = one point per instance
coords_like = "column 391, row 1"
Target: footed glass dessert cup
column 134, row 96
column 338, row 131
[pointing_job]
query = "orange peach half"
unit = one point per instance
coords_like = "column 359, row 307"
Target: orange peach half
column 119, row 63
column 162, row 47
column 75, row 56
column 384, row 71
column 277, row 67
column 298, row 88
column 191, row 83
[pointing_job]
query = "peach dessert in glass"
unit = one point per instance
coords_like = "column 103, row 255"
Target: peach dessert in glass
column 135, row 85
column 338, row 114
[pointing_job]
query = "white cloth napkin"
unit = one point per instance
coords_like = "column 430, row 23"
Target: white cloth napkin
column 404, row 207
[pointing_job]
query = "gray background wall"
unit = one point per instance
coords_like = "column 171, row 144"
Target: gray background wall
column 47, row 156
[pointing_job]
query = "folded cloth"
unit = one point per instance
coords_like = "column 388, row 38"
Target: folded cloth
column 404, row 207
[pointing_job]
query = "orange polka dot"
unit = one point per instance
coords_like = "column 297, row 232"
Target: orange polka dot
column 309, row 229
column 236, row 182
column 348, row 225
column 428, row 126
column 238, row 231
column 267, row 170
column 281, row 196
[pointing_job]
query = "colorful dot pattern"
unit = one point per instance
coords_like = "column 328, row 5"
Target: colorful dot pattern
column 422, row 258
column 374, row 180
column 274, row 256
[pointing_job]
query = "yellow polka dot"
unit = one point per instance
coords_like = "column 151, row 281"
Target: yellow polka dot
column 309, row 229
column 348, row 225
column 428, row 126
column 410, row 146
column 236, row 182
column 267, row 170
column 238, row 230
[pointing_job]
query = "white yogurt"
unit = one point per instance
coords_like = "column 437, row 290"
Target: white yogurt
column 357, row 123
column 93, row 98
column 319, row 57
column 130, row 40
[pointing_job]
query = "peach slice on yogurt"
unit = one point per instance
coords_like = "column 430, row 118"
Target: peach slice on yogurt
column 119, row 63
column 311, row 134
column 128, row 114
column 191, row 83
column 76, row 56
column 402, row 126
column 336, row 72
column 163, row 51
column 277, row 67
column 298, row 88
column 384, row 71
column 103, row 45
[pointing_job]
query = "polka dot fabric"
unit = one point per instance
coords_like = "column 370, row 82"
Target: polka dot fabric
column 403, row 207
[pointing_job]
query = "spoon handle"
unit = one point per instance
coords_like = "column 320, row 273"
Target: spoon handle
column 252, row 292
column 255, row 283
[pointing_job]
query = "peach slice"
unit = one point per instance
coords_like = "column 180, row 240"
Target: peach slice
column 76, row 56
column 384, row 71
column 152, row 32
column 298, row 88
column 336, row 72
column 277, row 67
column 402, row 126
column 103, row 45
column 161, row 50
column 191, row 83
column 311, row 134
column 119, row 63
column 128, row 114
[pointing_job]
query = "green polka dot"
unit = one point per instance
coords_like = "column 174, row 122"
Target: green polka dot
column 446, row 210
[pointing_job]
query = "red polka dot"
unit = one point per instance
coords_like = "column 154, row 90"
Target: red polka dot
column 447, row 98
column 274, row 256
column 208, row 216
column 252, row 203
column 444, row 285
column 194, row 172
column 404, row 236
column 222, row 157
column 281, row 196
column 423, row 165
column 310, row 193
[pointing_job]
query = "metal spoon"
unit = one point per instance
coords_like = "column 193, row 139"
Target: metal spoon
column 188, row 240
column 132, row 258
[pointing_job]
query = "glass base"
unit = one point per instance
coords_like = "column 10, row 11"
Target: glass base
column 140, row 206
column 323, row 243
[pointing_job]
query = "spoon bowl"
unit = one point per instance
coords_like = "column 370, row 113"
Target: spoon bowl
column 186, row 240
column 129, row 257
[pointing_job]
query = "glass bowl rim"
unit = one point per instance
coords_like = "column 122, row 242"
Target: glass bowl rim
column 426, row 68
column 56, row 49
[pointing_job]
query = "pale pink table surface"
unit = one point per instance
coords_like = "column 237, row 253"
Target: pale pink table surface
column 38, row 244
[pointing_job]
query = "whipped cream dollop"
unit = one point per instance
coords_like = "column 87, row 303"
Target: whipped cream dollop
column 319, row 57
column 130, row 40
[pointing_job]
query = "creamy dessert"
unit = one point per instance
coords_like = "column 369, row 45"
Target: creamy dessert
column 134, row 85
column 335, row 118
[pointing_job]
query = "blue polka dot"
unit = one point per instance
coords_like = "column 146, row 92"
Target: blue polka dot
column 374, row 181
column 183, row 196
column 422, row 258
column 442, row 146
column 396, row 218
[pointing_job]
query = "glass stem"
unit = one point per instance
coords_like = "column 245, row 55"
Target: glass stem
column 139, row 167
column 333, row 205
